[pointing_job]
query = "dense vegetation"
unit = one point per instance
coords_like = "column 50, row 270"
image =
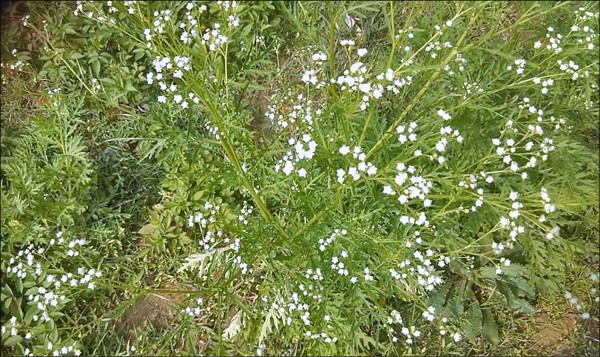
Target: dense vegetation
column 314, row 178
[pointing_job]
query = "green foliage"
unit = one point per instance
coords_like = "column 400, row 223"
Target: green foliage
column 315, row 177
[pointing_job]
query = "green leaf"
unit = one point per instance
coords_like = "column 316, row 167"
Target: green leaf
column 184, row 239
column 514, row 270
column 473, row 325
column 505, row 290
column 455, row 304
column 198, row 195
column 96, row 67
column 12, row 340
column 438, row 296
column 147, row 229
column 490, row 328
column 521, row 287
column 522, row 305
column 487, row 272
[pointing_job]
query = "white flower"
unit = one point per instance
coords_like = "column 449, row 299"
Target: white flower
column 302, row 172
column 457, row 337
column 361, row 52
column 442, row 113
column 344, row 150
column 388, row 190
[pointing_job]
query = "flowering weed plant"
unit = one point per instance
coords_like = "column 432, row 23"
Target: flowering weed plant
column 314, row 178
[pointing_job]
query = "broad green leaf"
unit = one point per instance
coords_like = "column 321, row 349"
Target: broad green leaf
column 474, row 320
column 12, row 341
column 438, row 296
column 490, row 328
column 522, row 305
column 505, row 290
column 147, row 229
column 487, row 272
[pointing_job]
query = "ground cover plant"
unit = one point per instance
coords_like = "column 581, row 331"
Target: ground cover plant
column 299, row 178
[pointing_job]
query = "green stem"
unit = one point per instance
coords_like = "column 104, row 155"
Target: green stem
column 393, row 34
column 390, row 131
column 367, row 122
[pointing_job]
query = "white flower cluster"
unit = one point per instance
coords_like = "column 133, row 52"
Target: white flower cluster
column 43, row 295
column 558, row 123
column 505, row 151
column 213, row 130
column 503, row 261
column 326, row 338
column 394, row 318
column 425, row 271
column 316, row 274
column 444, row 114
column 473, row 179
column 160, row 20
column 310, row 75
column 323, row 243
column 12, row 323
column 553, row 41
column 511, row 221
column 479, row 201
column 213, row 38
column 16, row 66
column 162, row 66
column 245, row 212
column 111, row 8
column 429, row 314
column 189, row 29
column 497, row 248
column 461, row 61
column 301, row 113
column 354, row 171
column 420, row 221
column 208, row 240
column 554, row 232
column 573, row 301
column 440, row 146
column 227, row 4
column 307, row 292
column 405, row 134
column 545, row 84
column 582, row 17
column 520, row 63
column 233, row 21
column 418, row 187
column 295, row 305
column 548, row 207
column 337, row 264
column 304, row 149
column 194, row 311
column 355, row 79
column 435, row 47
column 410, row 333
column 243, row 265
column 572, row 69
column 129, row 5
column 408, row 32
column 471, row 88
